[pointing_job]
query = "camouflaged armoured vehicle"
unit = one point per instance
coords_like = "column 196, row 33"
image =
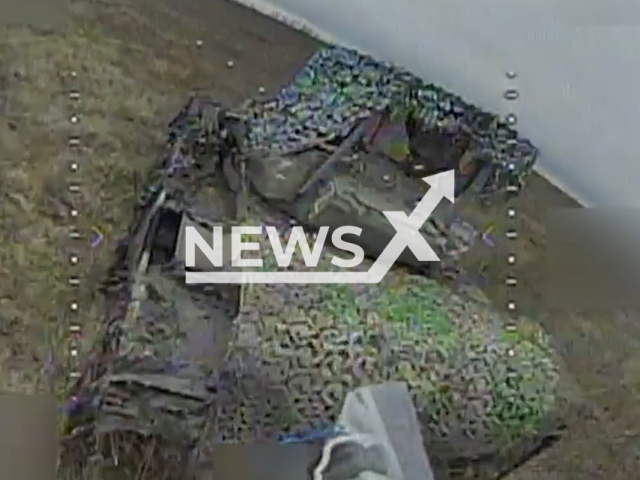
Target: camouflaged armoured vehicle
column 350, row 137
column 189, row 366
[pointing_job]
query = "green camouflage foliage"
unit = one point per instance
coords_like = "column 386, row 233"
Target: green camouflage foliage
column 470, row 372
column 339, row 87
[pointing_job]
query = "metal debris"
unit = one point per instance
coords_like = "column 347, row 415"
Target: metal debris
column 467, row 374
column 338, row 87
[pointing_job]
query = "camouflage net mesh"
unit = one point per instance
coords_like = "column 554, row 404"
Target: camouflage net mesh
column 478, row 383
column 470, row 373
column 339, row 87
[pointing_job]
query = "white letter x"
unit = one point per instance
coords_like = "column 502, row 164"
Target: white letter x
column 408, row 226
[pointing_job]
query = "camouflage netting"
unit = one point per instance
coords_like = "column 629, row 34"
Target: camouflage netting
column 484, row 388
column 338, row 87
column 198, row 365
column 479, row 383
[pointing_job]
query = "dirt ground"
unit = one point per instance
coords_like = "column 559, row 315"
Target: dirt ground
column 135, row 63
column 600, row 349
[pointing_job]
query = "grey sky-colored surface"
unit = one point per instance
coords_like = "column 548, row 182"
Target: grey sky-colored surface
column 577, row 66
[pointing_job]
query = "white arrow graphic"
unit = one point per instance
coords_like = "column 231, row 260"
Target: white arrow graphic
column 407, row 236
column 408, row 227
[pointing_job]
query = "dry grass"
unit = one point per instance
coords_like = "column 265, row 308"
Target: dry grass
column 121, row 111
column 133, row 71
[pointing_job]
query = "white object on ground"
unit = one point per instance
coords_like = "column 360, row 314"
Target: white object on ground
column 384, row 415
